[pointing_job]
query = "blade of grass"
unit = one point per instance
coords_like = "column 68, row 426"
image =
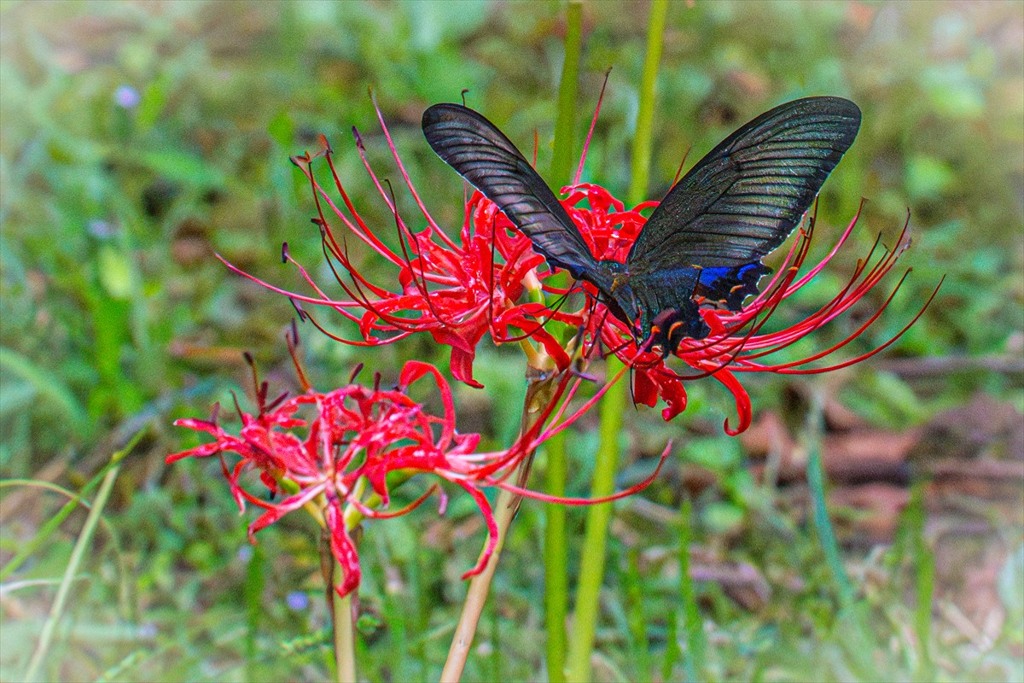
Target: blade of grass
column 924, row 581
column 50, row 527
column 856, row 637
column 48, row 386
column 84, row 539
column 672, row 652
column 816, row 484
column 694, row 657
column 637, row 620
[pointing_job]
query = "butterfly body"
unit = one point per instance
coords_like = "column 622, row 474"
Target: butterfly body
column 703, row 244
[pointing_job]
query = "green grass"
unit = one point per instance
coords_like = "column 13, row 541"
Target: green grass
column 115, row 318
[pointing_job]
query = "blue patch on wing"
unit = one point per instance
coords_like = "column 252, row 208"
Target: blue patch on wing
column 729, row 286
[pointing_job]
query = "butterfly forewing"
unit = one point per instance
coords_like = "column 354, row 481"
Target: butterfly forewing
column 482, row 155
column 744, row 198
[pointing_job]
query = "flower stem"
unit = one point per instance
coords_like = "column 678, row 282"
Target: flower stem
column 565, row 121
column 479, row 587
column 594, row 542
column 539, row 393
column 344, row 634
column 642, row 141
column 598, row 517
column 556, row 579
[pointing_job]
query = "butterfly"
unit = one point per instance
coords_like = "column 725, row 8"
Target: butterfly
column 704, row 242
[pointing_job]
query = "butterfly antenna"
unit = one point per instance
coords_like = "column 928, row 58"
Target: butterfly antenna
column 463, row 95
column 632, row 389
column 679, row 171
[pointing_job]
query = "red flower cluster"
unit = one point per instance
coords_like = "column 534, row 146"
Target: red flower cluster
column 491, row 281
column 456, row 291
column 738, row 341
column 488, row 281
column 356, row 437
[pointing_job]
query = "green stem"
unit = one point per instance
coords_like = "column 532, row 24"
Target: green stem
column 556, row 576
column 598, row 516
column 344, row 634
column 556, row 543
column 592, row 558
column 565, row 121
column 643, row 140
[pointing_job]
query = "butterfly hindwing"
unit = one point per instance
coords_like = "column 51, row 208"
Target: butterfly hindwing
column 481, row 154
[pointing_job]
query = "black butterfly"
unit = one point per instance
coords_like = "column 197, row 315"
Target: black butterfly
column 707, row 237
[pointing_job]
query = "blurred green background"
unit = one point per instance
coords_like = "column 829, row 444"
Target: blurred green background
column 138, row 138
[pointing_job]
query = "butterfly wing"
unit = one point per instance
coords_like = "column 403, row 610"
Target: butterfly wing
column 737, row 204
column 481, row 154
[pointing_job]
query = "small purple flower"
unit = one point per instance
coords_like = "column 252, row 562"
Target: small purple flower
column 101, row 229
column 297, row 601
column 245, row 554
column 127, row 97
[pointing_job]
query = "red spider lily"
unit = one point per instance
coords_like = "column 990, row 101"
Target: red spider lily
column 738, row 342
column 356, row 437
column 458, row 291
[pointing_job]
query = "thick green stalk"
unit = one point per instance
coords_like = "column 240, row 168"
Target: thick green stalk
column 613, row 404
column 556, row 561
column 556, row 544
column 643, row 140
column 344, row 635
